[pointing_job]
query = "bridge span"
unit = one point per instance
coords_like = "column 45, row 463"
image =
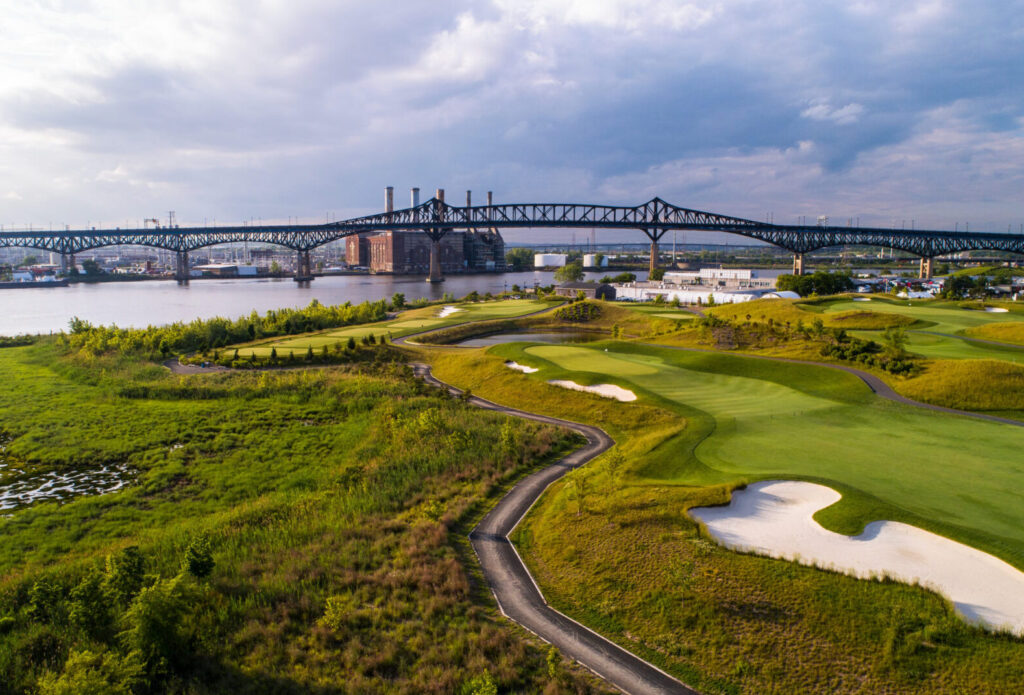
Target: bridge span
column 435, row 218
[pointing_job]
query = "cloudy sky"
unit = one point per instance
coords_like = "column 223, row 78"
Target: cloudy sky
column 885, row 111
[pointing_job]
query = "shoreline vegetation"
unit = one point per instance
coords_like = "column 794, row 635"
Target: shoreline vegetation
column 292, row 524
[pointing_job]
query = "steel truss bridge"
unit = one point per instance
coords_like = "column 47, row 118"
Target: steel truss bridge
column 436, row 218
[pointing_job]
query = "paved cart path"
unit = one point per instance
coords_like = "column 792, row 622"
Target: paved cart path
column 517, row 594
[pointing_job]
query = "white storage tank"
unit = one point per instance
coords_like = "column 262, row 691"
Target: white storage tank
column 590, row 261
column 548, row 260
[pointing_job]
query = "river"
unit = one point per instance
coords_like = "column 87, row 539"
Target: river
column 158, row 302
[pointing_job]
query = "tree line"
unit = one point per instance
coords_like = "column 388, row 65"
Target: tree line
column 203, row 335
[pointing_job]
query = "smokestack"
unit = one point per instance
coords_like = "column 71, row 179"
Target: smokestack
column 415, row 197
column 439, row 194
column 490, row 198
column 469, row 199
column 389, row 199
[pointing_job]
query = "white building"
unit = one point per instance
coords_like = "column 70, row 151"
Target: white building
column 741, row 278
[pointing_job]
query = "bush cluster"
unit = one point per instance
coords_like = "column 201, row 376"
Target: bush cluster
column 16, row 341
column 208, row 334
column 871, row 354
column 821, row 283
column 579, row 312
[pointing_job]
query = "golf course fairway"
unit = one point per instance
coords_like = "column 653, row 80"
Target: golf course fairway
column 759, row 419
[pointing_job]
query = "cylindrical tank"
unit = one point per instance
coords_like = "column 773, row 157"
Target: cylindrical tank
column 547, row 260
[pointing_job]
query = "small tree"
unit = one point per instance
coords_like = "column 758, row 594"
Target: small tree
column 570, row 272
column 273, row 354
column 88, row 609
column 656, row 275
column 895, row 339
column 309, row 353
column 198, row 559
column 125, row 573
column 398, row 300
column 351, row 344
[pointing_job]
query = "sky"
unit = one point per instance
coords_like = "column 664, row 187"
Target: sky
column 883, row 113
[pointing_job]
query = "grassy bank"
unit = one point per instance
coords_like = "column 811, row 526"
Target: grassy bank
column 295, row 533
column 612, row 546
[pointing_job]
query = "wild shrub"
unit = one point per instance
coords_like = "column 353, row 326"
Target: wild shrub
column 579, row 312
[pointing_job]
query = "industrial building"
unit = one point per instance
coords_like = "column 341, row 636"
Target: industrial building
column 408, row 252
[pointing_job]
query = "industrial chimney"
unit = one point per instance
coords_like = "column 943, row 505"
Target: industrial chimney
column 490, row 198
column 415, row 197
column 439, row 194
column 389, row 199
column 469, row 199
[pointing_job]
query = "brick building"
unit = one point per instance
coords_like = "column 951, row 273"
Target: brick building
column 357, row 250
column 403, row 253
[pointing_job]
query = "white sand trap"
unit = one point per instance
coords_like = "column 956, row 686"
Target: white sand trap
column 774, row 518
column 448, row 311
column 996, row 310
column 862, row 299
column 606, row 390
column 521, row 367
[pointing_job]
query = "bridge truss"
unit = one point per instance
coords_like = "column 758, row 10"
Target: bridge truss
column 435, row 217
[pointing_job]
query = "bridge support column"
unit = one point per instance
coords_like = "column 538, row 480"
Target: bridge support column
column 926, row 268
column 436, row 234
column 798, row 264
column 181, row 267
column 655, row 236
column 67, row 264
column 303, row 267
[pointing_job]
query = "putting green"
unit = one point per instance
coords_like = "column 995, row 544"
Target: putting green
column 947, row 317
column 823, row 427
column 948, row 347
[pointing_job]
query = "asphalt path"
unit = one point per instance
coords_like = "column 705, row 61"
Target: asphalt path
column 518, row 596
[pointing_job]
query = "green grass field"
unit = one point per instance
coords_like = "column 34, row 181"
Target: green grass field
column 611, row 544
column 1006, row 332
column 336, row 503
column 777, row 421
column 407, row 323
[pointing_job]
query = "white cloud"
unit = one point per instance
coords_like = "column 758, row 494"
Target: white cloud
column 844, row 115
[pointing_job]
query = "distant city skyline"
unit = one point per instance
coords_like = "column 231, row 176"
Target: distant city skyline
column 896, row 115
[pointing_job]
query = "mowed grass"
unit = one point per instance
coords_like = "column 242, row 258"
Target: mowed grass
column 611, row 544
column 941, row 316
column 793, row 421
column 409, row 322
column 859, row 315
column 939, row 327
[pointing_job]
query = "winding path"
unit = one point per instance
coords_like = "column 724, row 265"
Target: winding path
column 518, row 596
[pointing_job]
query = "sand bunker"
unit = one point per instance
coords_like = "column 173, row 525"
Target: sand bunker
column 774, row 518
column 862, row 299
column 520, row 367
column 448, row 311
column 996, row 310
column 606, row 390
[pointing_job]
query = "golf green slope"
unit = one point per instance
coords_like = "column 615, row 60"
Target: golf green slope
column 765, row 419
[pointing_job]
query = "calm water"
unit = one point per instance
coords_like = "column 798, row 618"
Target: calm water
column 155, row 302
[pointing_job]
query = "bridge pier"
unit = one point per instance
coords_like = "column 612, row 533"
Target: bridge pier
column 303, row 267
column 655, row 237
column 798, row 264
column 67, row 264
column 926, row 268
column 436, row 234
column 181, row 267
